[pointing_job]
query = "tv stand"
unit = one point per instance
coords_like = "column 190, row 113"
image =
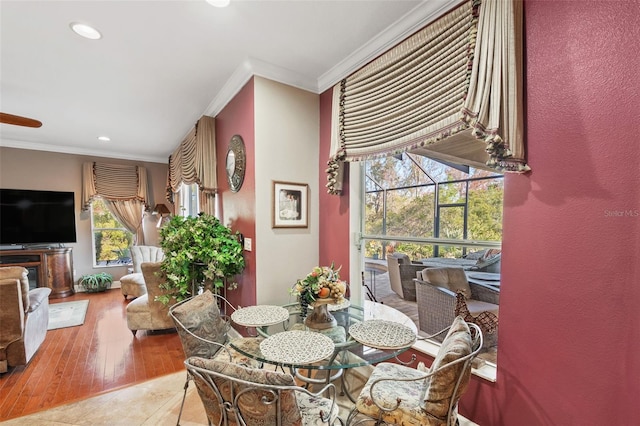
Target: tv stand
column 54, row 266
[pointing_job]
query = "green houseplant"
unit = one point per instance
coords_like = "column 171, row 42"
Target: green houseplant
column 93, row 283
column 199, row 252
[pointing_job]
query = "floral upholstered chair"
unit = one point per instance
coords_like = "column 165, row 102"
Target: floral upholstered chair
column 399, row 395
column 236, row 395
column 204, row 332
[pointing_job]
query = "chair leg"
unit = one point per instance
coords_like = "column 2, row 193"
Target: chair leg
column 184, row 397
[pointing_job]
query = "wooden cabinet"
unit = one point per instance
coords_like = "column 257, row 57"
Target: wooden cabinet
column 54, row 267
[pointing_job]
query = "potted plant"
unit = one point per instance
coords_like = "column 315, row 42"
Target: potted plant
column 199, row 252
column 93, row 283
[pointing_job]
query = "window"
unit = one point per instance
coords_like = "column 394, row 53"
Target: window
column 425, row 208
column 189, row 200
column 111, row 240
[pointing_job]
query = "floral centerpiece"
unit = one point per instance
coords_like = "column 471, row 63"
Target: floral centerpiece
column 322, row 284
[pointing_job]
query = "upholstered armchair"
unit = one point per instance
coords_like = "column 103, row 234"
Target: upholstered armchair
column 204, row 333
column 233, row 394
column 24, row 317
column 402, row 273
column 438, row 305
column 133, row 284
column 400, row 395
column 145, row 312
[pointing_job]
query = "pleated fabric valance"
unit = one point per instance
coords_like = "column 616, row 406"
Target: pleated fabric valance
column 452, row 91
column 114, row 182
column 194, row 161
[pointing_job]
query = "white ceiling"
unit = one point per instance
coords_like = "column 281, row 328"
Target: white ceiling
column 162, row 64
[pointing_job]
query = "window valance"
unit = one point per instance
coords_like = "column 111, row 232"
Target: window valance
column 452, row 91
column 194, row 161
column 114, row 182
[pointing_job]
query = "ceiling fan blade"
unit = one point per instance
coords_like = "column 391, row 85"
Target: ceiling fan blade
column 19, row 121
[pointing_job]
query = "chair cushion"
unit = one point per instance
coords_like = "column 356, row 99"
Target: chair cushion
column 246, row 344
column 386, row 393
column 201, row 316
column 133, row 285
column 250, row 403
column 476, row 307
column 440, row 386
column 452, row 278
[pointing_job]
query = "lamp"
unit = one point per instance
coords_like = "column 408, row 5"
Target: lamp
column 161, row 210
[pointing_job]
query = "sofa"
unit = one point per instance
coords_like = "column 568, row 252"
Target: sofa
column 133, row 284
column 24, row 317
column 145, row 312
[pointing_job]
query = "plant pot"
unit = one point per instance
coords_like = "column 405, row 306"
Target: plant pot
column 320, row 318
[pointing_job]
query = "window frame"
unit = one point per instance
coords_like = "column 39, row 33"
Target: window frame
column 93, row 238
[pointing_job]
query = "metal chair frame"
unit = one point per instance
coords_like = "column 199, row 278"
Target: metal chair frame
column 203, row 340
column 476, row 345
column 239, row 387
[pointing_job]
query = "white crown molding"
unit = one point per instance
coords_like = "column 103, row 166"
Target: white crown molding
column 8, row 143
column 254, row 67
column 416, row 19
column 423, row 14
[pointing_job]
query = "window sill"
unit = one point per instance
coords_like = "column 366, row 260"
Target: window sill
column 486, row 371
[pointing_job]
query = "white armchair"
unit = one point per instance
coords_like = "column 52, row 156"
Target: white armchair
column 133, row 284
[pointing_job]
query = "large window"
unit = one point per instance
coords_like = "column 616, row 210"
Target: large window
column 111, row 241
column 425, row 208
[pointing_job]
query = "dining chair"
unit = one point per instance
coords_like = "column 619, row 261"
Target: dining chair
column 204, row 332
column 400, row 395
column 233, row 394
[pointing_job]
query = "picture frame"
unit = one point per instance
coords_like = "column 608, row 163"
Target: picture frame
column 290, row 205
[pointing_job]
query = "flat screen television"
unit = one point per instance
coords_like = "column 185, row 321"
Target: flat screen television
column 29, row 217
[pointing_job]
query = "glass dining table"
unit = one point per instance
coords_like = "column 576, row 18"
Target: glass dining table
column 363, row 335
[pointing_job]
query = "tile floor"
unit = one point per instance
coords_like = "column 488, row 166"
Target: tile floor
column 152, row 403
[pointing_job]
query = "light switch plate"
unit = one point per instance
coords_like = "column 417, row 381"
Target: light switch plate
column 247, row 244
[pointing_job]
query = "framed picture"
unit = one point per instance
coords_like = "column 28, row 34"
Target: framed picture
column 290, row 207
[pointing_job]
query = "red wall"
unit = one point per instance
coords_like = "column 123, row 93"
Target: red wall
column 334, row 210
column 238, row 209
column 569, row 325
column 569, row 351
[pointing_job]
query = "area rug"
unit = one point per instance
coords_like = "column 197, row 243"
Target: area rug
column 67, row 314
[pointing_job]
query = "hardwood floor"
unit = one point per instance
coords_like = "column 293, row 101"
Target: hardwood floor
column 78, row 362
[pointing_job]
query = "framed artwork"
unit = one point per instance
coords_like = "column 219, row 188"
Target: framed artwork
column 290, row 207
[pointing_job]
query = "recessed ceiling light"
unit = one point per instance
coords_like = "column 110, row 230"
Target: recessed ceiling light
column 219, row 3
column 104, row 138
column 85, row 31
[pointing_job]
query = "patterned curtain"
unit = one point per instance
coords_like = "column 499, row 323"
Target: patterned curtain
column 114, row 182
column 452, row 91
column 129, row 213
column 194, row 161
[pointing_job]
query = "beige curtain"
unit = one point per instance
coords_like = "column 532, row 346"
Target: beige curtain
column 194, row 161
column 442, row 93
column 114, row 182
column 129, row 213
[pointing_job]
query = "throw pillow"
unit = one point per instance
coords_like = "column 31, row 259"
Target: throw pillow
column 201, row 316
column 440, row 386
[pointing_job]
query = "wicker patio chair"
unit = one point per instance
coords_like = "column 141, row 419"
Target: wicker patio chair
column 436, row 299
column 402, row 273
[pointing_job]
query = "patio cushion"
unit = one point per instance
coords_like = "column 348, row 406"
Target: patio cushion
column 452, row 278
